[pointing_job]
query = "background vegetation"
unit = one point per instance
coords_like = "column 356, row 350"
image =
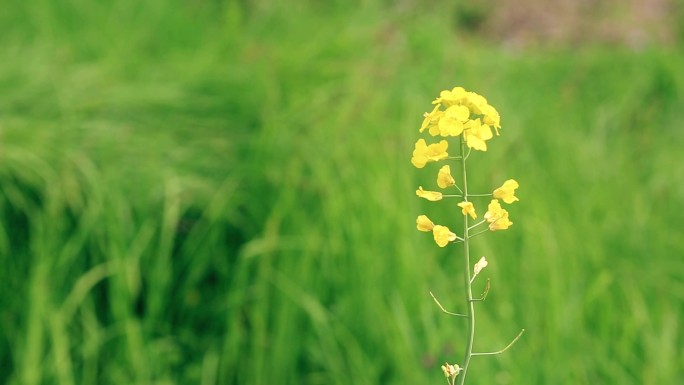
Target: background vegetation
column 201, row 192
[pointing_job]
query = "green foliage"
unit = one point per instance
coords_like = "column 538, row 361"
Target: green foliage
column 221, row 193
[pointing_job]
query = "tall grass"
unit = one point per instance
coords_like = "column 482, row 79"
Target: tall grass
column 222, row 194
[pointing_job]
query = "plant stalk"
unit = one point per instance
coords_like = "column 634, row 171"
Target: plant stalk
column 470, row 307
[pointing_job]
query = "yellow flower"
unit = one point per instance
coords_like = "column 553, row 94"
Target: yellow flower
column 497, row 217
column 494, row 211
column 453, row 97
column 423, row 223
column 444, row 178
column 491, row 117
column 502, row 223
column 476, row 134
column 423, row 153
column 433, row 196
column 431, row 119
column 507, row 191
column 476, row 103
column 451, row 122
column 443, row 235
column 467, row 208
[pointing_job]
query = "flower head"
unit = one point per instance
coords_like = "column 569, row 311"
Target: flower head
column 476, row 134
column 467, row 208
column 476, row 102
column 451, row 371
column 423, row 223
column 433, row 196
column 502, row 223
column 453, row 97
column 491, row 117
column 422, row 153
column 451, row 122
column 494, row 211
column 507, row 191
column 444, row 178
column 431, row 120
column 497, row 216
column 443, row 235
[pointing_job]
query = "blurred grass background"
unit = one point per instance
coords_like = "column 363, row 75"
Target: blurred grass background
column 220, row 192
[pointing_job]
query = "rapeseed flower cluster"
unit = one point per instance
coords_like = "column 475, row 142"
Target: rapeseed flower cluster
column 469, row 117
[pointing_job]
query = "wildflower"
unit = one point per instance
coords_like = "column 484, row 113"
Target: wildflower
column 432, row 196
column 444, row 178
column 451, row 123
column 467, row 208
column 451, row 371
column 453, row 97
column 423, row 153
column 497, row 217
column 507, row 191
column 494, row 211
column 423, row 223
column 491, row 117
column 443, row 235
column 481, row 264
column 431, row 120
column 477, row 103
column 476, row 134
column 502, row 223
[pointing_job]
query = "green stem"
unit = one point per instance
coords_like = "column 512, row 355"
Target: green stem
column 470, row 307
column 477, row 224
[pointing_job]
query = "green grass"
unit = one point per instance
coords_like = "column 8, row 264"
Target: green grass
column 221, row 193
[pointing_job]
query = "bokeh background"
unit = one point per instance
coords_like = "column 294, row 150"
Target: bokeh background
column 220, row 192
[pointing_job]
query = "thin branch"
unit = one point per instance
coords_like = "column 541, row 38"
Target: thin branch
column 484, row 293
column 481, row 232
column 458, row 239
column 502, row 350
column 477, row 224
column 480, row 195
column 443, row 309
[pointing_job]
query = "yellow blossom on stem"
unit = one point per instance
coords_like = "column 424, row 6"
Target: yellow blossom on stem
column 494, row 211
column 467, row 208
column 444, row 178
column 422, row 153
column 451, row 123
column 491, row 117
column 431, row 119
column 423, row 223
column 502, row 223
column 453, row 97
column 443, row 235
column 476, row 134
column 497, row 216
column 433, row 196
column 507, row 191
column 476, row 102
